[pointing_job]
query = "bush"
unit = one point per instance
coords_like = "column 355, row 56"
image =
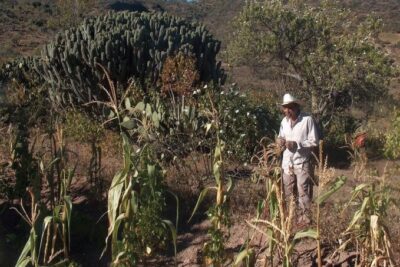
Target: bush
column 243, row 123
column 392, row 144
column 82, row 128
column 337, row 135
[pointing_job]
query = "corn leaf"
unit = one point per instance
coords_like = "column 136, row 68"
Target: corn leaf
column 360, row 187
column 177, row 208
column 335, row 186
column 24, row 262
column 217, row 171
column 114, row 195
column 115, row 229
column 229, row 186
column 242, row 255
column 24, row 259
column 200, row 199
column 173, row 232
column 358, row 214
column 46, row 223
column 68, row 210
column 312, row 233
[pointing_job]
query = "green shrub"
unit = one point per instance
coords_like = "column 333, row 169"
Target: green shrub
column 337, row 135
column 243, row 124
column 392, row 144
column 82, row 128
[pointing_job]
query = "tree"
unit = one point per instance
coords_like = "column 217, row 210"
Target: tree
column 336, row 63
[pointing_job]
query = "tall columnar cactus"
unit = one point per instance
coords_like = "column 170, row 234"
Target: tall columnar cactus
column 127, row 44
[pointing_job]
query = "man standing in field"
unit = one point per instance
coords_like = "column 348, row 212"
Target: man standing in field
column 298, row 134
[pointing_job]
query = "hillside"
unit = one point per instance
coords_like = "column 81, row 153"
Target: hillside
column 27, row 24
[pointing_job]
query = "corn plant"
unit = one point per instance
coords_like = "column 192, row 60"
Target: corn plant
column 274, row 214
column 30, row 253
column 392, row 142
column 277, row 223
column 135, row 204
column 368, row 229
column 214, row 250
column 54, row 244
column 136, row 197
column 326, row 187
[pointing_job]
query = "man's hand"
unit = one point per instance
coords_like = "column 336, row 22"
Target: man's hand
column 291, row 145
column 280, row 141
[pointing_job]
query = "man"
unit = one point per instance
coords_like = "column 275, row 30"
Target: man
column 298, row 134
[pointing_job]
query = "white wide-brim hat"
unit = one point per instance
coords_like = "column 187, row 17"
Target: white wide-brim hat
column 289, row 99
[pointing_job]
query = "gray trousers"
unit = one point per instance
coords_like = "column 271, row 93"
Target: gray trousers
column 299, row 185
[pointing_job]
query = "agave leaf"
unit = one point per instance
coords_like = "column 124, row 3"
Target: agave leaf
column 201, row 198
column 335, row 186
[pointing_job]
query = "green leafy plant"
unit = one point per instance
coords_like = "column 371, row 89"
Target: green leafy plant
column 214, row 250
column 392, row 144
column 84, row 129
column 235, row 111
column 327, row 186
column 135, row 198
column 368, row 228
column 275, row 215
column 309, row 45
column 53, row 247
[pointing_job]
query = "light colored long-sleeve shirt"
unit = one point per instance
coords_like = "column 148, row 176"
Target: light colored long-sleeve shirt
column 304, row 132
